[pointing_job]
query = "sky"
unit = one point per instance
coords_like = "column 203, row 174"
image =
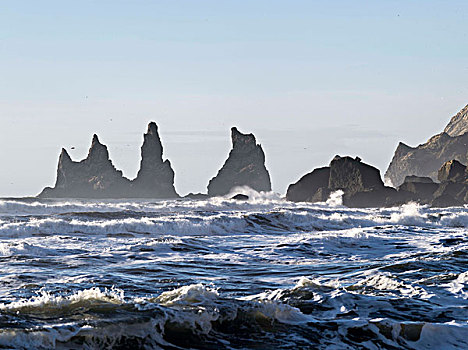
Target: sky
column 311, row 79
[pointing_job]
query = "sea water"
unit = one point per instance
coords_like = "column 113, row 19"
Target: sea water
column 224, row 274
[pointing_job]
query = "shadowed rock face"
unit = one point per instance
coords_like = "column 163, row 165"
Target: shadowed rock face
column 426, row 159
column 351, row 175
column 245, row 166
column 155, row 178
column 360, row 182
column 452, row 171
column 312, row 187
column 418, row 179
column 93, row 177
column 96, row 176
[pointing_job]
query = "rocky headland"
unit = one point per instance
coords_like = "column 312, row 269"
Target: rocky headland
column 426, row 159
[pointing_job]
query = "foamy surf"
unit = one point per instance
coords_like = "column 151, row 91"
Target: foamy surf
column 227, row 274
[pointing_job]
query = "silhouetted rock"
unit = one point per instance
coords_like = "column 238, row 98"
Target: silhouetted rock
column 421, row 192
column 445, row 200
column 96, row 176
column 426, row 159
column 240, row 197
column 245, row 166
column 453, row 189
column 418, row 179
column 373, row 198
column 360, row 183
column 197, row 196
column 312, row 187
column 155, row 178
column 453, row 171
column 352, row 176
column 93, row 177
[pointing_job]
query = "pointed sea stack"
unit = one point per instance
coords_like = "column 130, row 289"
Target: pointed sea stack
column 96, row 176
column 155, row 178
column 93, row 177
column 245, row 166
column 427, row 158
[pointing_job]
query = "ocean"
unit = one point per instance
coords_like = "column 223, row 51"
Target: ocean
column 224, row 274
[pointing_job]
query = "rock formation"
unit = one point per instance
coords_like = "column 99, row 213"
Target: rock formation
column 312, row 187
column 458, row 125
column 452, row 171
column 93, row 177
column 155, row 178
column 426, row 159
column 363, row 187
column 96, row 176
column 418, row 189
column 245, row 166
column 360, row 182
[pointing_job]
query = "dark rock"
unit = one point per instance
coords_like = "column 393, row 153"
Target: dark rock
column 321, row 195
column 375, row 198
column 360, row 182
column 453, row 189
column 245, row 166
column 363, row 187
column 418, row 179
column 197, row 196
column 96, row 176
column 446, row 200
column 305, row 190
column 240, row 197
column 419, row 189
column 352, row 176
column 155, row 178
column 93, row 177
column 426, row 159
column 453, row 171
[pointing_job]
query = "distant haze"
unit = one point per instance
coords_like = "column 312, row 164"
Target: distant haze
column 310, row 79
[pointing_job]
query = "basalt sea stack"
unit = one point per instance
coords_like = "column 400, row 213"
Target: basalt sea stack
column 426, row 159
column 245, row 166
column 96, row 176
column 156, row 177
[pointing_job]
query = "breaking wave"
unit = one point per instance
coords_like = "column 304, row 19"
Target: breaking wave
column 227, row 274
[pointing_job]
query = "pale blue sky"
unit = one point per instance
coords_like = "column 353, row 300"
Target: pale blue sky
column 310, row 79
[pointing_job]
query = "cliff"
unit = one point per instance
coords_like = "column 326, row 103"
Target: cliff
column 427, row 158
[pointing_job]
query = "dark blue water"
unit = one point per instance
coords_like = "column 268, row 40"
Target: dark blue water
column 222, row 274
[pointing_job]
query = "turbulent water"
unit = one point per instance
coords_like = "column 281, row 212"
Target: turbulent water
column 224, row 274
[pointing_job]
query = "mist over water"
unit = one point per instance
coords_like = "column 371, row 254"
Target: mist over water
column 225, row 274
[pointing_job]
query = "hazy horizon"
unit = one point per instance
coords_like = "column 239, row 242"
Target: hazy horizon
column 308, row 79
